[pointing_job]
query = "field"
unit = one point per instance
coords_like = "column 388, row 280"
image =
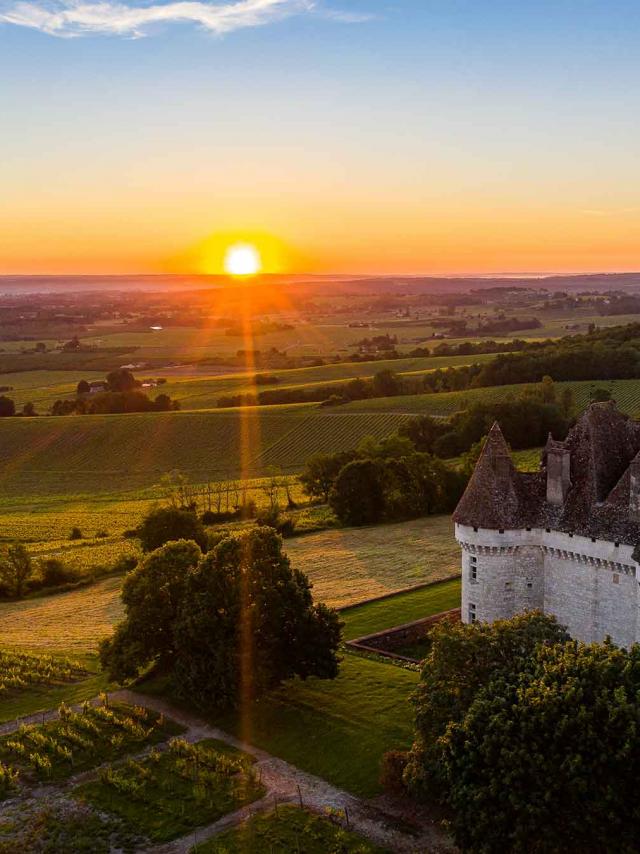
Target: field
column 101, row 455
column 345, row 566
column 287, row 830
column 349, row 565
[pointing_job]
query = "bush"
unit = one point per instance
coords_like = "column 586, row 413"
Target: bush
column 54, row 573
column 391, row 771
column 76, row 534
column 166, row 524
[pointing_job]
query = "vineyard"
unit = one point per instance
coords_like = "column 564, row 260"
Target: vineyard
column 167, row 794
column 102, row 455
column 20, row 671
column 77, row 741
column 287, row 829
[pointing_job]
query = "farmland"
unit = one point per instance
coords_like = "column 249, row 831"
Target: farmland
column 344, row 565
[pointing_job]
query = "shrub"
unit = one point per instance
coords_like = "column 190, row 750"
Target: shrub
column 76, row 534
column 55, row 573
column 166, row 524
column 391, row 771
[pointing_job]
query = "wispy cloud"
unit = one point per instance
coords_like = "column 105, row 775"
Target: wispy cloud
column 109, row 17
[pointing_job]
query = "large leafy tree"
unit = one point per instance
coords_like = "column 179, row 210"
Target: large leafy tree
column 248, row 621
column 461, row 661
column 321, row 471
column 151, row 595
column 16, row 568
column 547, row 759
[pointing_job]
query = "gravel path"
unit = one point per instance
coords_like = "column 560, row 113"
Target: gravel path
column 284, row 784
column 287, row 784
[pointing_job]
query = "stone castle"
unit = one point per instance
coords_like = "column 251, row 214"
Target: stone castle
column 564, row 539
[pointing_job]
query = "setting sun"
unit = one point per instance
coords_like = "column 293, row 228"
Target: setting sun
column 242, row 259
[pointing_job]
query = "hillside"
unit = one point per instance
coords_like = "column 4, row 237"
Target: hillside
column 120, row 453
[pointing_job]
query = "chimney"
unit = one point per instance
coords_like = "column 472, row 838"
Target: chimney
column 559, row 472
column 634, row 490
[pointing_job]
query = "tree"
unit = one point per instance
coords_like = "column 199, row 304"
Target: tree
column 121, row 380
column 358, row 495
column 83, row 387
column 29, row 410
column 7, row 407
column 151, row 595
column 15, row 568
column 600, row 395
column 542, row 756
column 321, row 471
column 386, row 383
column 462, row 659
column 247, row 622
column 164, row 524
column 423, row 431
column 163, row 403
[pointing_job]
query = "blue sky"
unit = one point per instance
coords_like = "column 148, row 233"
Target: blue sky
column 442, row 123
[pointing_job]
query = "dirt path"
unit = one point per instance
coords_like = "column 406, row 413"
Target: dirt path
column 287, row 784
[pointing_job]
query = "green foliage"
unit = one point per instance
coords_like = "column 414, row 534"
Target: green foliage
column 357, row 497
column 76, row 741
column 461, row 660
column 151, row 594
column 247, row 622
column 389, row 488
column 16, row 567
column 166, row 795
column 19, row 671
column 164, row 524
column 543, row 758
column 321, row 472
column 7, row 407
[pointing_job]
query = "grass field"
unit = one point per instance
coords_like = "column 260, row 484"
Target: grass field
column 345, row 566
column 348, row 565
column 374, row 617
column 338, row 729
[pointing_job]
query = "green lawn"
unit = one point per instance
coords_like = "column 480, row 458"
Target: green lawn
column 338, row 729
column 290, row 830
column 403, row 608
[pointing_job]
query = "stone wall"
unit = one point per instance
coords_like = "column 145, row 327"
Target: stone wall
column 590, row 585
column 387, row 641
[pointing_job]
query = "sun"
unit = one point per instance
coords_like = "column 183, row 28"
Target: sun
column 242, row 259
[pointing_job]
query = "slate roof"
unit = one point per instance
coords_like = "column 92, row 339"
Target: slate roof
column 602, row 445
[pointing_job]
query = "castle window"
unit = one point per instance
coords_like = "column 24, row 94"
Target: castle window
column 473, row 568
column 528, row 529
column 593, row 539
column 475, row 529
column 617, row 545
column 501, row 531
column 548, row 530
column 529, row 584
column 616, row 578
column 472, row 612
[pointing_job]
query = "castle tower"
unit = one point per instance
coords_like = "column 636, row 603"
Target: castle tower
column 502, row 567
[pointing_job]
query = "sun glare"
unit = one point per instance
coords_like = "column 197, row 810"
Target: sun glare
column 242, row 259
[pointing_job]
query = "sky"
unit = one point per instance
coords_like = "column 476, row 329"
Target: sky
column 339, row 136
